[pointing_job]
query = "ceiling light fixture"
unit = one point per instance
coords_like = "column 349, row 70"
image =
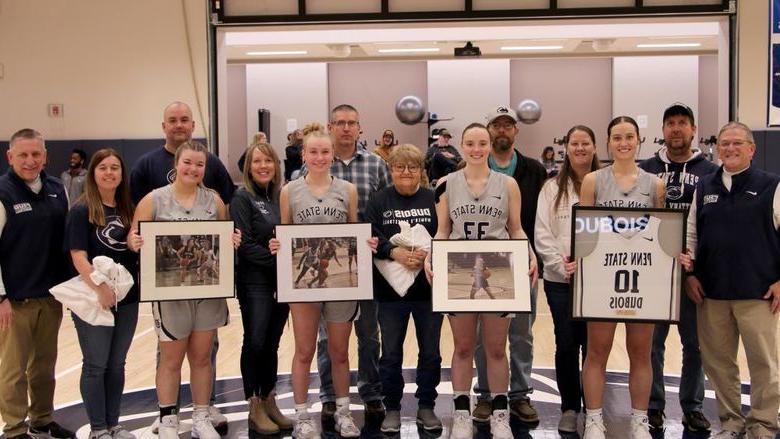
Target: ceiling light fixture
column 513, row 48
column 410, row 50
column 278, row 52
column 667, row 45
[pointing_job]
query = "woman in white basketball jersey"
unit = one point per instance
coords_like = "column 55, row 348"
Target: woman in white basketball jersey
column 462, row 200
column 553, row 242
column 621, row 184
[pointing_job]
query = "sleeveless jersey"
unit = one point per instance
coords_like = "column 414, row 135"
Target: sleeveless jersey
column 609, row 194
column 332, row 207
column 478, row 217
column 166, row 208
column 629, row 276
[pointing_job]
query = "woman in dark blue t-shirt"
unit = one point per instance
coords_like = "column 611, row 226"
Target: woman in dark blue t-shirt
column 97, row 225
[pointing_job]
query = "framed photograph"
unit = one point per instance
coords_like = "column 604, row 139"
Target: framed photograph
column 183, row 260
column 324, row 262
column 481, row 276
column 627, row 264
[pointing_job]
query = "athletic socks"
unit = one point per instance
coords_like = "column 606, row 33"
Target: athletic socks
column 342, row 404
column 594, row 415
column 638, row 414
column 499, row 401
column 166, row 410
column 302, row 411
column 199, row 409
column 462, row 401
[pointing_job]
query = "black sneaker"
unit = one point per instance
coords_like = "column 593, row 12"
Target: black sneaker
column 374, row 410
column 52, row 430
column 18, row 436
column 656, row 417
column 328, row 410
column 695, row 421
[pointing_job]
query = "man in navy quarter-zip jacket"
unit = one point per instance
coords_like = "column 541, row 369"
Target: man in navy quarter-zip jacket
column 734, row 242
column 32, row 260
column 680, row 168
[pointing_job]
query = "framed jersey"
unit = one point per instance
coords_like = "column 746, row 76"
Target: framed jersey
column 480, row 276
column 324, row 262
column 627, row 264
column 185, row 260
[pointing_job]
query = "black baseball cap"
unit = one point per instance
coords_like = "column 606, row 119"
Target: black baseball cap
column 679, row 109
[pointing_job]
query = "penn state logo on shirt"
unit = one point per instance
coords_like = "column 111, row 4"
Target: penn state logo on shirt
column 674, row 193
column 260, row 205
column 171, row 176
column 710, row 199
column 388, row 214
column 113, row 235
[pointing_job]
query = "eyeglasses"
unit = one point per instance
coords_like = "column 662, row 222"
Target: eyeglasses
column 345, row 123
column 402, row 168
column 503, row 125
column 734, row 143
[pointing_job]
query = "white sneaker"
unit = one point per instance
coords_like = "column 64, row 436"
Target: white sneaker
column 119, row 432
column 499, row 425
column 462, row 426
column 168, row 427
column 594, row 429
column 218, row 420
column 201, row 425
column 155, row 427
column 345, row 425
column 640, row 428
column 305, row 429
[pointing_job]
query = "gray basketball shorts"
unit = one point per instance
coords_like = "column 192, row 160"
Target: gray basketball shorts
column 178, row 319
column 339, row 312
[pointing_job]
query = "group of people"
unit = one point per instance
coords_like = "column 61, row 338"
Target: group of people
column 732, row 261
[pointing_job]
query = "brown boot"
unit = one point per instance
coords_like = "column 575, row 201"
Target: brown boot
column 283, row 422
column 259, row 422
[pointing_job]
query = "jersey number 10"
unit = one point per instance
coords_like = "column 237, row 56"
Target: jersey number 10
column 626, row 280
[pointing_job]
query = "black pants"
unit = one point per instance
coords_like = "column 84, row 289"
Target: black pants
column 263, row 319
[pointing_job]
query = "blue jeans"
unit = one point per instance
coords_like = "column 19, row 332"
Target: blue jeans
column 263, row 319
column 104, row 349
column 367, row 332
column 570, row 342
column 394, row 321
column 692, row 376
column 521, row 356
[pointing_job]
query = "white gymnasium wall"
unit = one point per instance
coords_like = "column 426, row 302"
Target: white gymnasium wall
column 113, row 65
column 296, row 91
column 466, row 90
column 645, row 86
column 374, row 88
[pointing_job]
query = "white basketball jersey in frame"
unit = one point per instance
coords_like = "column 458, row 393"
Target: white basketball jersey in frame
column 628, row 276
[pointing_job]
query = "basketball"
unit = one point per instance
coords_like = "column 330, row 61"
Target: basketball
column 486, row 273
column 323, row 264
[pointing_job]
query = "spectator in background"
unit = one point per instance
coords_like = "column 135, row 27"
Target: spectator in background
column 548, row 161
column 73, row 178
column 293, row 161
column 258, row 138
column 386, row 147
column 441, row 158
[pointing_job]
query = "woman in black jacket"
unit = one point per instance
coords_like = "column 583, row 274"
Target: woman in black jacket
column 255, row 210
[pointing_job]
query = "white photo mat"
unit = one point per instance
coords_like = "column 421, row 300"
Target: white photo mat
column 287, row 270
column 447, row 283
column 150, row 230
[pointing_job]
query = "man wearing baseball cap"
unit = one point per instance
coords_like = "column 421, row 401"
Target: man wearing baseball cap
column 506, row 158
column 441, row 157
column 680, row 168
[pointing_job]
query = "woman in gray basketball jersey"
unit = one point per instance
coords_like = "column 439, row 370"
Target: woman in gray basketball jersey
column 623, row 184
column 318, row 197
column 472, row 204
column 184, row 327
